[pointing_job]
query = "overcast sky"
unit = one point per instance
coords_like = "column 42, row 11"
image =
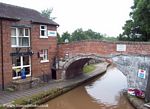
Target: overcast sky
column 104, row 16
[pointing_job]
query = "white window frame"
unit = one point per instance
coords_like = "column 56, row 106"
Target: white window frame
column 17, row 37
column 14, row 37
column 23, row 66
column 45, row 31
column 44, row 53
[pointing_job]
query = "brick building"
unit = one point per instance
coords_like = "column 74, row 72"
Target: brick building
column 27, row 44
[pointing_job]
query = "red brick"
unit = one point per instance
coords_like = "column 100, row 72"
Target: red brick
column 36, row 44
column 102, row 48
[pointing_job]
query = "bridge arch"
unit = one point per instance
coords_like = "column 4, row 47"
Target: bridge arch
column 73, row 66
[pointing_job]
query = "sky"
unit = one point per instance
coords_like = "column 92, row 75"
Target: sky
column 103, row 16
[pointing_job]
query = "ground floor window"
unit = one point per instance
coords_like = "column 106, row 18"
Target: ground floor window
column 20, row 63
column 44, row 55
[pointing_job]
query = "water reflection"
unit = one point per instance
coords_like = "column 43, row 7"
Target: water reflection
column 107, row 87
column 103, row 93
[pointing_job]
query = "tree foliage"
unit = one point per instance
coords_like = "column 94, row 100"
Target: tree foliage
column 47, row 13
column 66, row 36
column 79, row 35
column 138, row 27
column 58, row 38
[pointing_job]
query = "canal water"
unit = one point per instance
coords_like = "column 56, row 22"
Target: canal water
column 104, row 92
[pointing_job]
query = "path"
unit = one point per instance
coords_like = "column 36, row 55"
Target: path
column 6, row 97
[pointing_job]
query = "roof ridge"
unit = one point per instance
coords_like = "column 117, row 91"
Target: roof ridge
column 18, row 6
column 13, row 12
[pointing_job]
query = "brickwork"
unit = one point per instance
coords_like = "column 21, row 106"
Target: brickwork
column 7, row 60
column 102, row 48
column 39, row 44
column 37, row 68
column 135, row 57
column 0, row 59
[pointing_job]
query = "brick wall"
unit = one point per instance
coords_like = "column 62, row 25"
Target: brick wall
column 0, row 58
column 37, row 44
column 103, row 48
column 7, row 61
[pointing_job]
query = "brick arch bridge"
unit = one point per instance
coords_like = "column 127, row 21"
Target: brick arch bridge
column 74, row 65
column 128, row 56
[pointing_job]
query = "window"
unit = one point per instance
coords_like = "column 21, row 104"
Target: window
column 44, row 55
column 43, row 31
column 19, row 63
column 20, row 37
column 13, row 36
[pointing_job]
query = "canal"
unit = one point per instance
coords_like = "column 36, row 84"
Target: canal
column 105, row 92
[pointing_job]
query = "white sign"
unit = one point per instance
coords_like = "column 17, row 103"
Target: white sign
column 141, row 73
column 52, row 33
column 121, row 47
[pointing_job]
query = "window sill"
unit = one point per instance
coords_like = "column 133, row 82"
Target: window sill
column 44, row 61
column 20, row 46
column 19, row 77
column 43, row 37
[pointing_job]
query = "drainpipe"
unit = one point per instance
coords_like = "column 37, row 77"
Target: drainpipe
column 31, row 57
column 2, row 55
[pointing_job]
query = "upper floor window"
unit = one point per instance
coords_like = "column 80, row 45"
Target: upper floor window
column 43, row 31
column 20, row 37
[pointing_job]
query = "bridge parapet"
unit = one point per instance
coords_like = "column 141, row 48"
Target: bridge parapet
column 104, row 48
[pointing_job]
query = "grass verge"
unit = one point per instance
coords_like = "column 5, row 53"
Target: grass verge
column 89, row 68
column 39, row 98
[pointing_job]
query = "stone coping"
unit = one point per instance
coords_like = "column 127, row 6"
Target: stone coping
column 111, row 42
column 137, row 102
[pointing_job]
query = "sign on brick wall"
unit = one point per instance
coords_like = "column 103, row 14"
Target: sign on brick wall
column 52, row 33
column 141, row 73
column 121, row 47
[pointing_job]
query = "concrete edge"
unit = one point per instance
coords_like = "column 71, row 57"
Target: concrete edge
column 64, row 89
column 136, row 102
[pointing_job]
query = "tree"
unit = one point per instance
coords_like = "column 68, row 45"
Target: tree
column 47, row 13
column 93, row 35
column 138, row 28
column 78, row 35
column 66, row 36
column 59, row 38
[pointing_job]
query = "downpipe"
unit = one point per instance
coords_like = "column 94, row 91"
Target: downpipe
column 2, row 55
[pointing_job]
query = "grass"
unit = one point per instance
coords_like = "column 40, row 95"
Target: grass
column 89, row 68
column 1, row 107
column 42, row 97
column 38, row 98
